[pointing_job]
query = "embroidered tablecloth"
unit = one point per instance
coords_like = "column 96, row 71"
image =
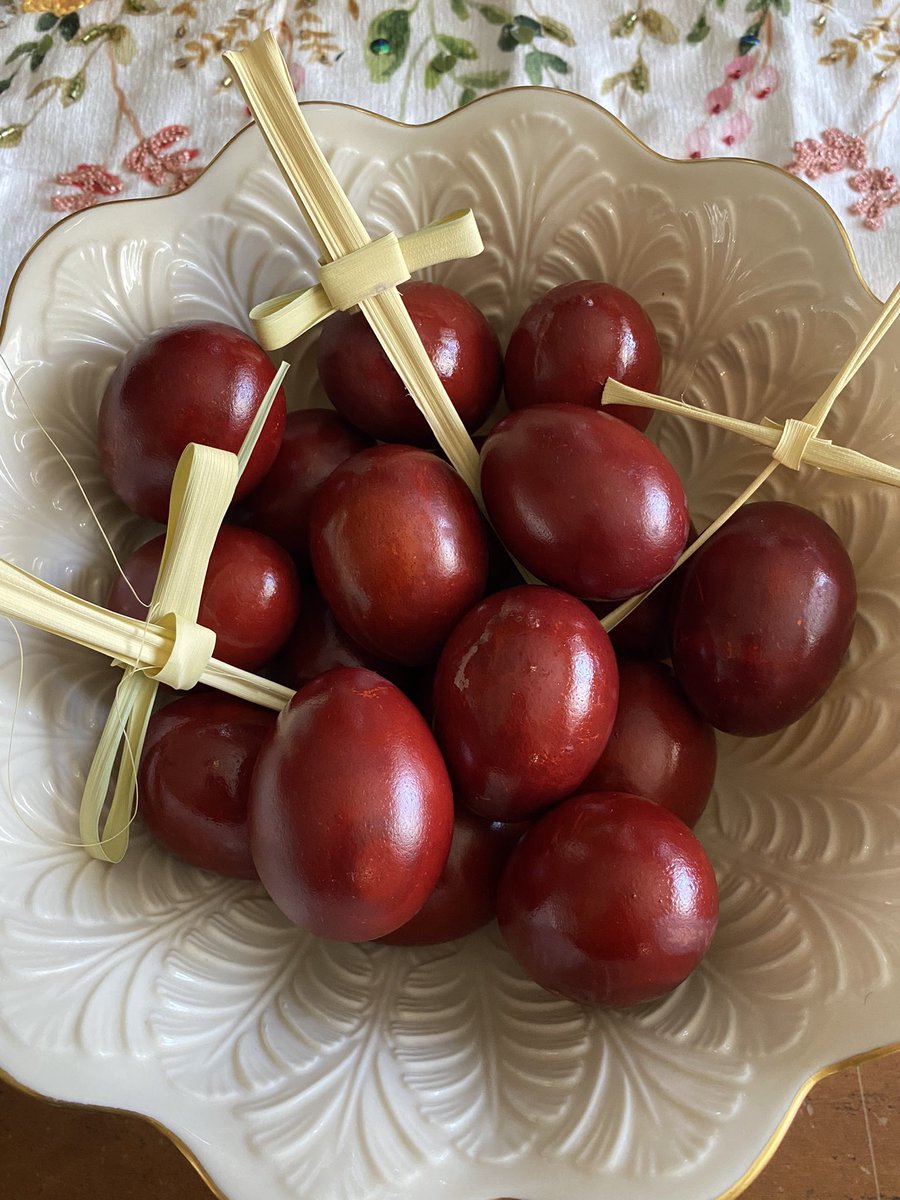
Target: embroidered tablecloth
column 116, row 98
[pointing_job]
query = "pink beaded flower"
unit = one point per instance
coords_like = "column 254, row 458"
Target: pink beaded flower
column 149, row 161
column 696, row 144
column 93, row 182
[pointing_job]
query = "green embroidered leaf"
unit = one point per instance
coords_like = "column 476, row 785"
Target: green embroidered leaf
column 623, row 26
column 533, row 66
column 782, row 6
column 522, row 35
column 22, row 48
column 40, row 53
column 611, row 82
column 757, row 5
column 556, row 29
column 5, row 83
column 46, row 21
column 69, row 26
column 528, row 23
column 720, row 5
column 494, row 14
column 658, row 26
column 391, row 27
column 124, row 47
column 483, row 79
column 10, row 136
column 639, row 76
column 554, row 63
column 438, row 67
column 73, row 89
column 460, row 9
column 506, row 41
column 142, row 7
column 700, row 30
column 458, row 46
column 466, row 96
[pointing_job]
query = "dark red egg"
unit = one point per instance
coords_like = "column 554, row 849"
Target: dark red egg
column 318, row 644
column 765, row 616
column 584, row 501
column 465, row 896
column 399, row 550
column 316, row 440
column 251, row 597
column 194, row 779
column 363, row 386
column 609, row 899
column 200, row 381
column 659, row 747
column 351, row 811
column 576, row 337
column 647, row 631
column 524, row 700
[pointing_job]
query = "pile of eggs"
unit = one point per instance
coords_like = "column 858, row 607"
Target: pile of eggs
column 462, row 745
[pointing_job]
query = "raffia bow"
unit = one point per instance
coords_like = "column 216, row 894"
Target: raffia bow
column 793, row 442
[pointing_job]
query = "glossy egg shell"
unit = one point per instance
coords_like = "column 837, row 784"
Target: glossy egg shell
column 399, row 550
column 351, row 812
column 200, row 381
column 318, row 644
column 363, row 386
column 659, row 747
column 764, row 619
column 609, row 899
column 524, row 699
column 465, row 896
column 584, row 501
column 316, row 440
column 573, row 339
column 194, row 779
column 251, row 596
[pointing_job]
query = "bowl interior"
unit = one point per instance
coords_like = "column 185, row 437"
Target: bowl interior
column 325, row 1070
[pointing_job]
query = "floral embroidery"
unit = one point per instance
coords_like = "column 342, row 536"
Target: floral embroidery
column 452, row 59
column 748, row 76
column 839, row 151
column 164, row 170
column 94, row 182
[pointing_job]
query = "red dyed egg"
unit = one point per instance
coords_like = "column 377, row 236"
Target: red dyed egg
column 584, row 501
column 659, row 747
column 576, row 337
column 251, row 597
column 765, row 617
column 363, row 386
column 318, row 644
column 466, row 893
column 524, row 700
column 196, row 382
column 351, row 811
column 194, row 779
column 316, row 441
column 609, row 899
column 399, row 551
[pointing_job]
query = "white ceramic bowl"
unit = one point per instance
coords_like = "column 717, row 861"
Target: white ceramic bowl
column 296, row 1068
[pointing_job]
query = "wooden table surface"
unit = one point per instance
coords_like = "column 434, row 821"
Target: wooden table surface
column 843, row 1145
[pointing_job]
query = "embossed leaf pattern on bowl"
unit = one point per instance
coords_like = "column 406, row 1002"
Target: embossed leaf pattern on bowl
column 342, row 1072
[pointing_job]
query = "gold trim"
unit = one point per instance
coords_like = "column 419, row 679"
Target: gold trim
column 683, row 162
column 759, row 1164
column 176, row 1141
column 767, row 1152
